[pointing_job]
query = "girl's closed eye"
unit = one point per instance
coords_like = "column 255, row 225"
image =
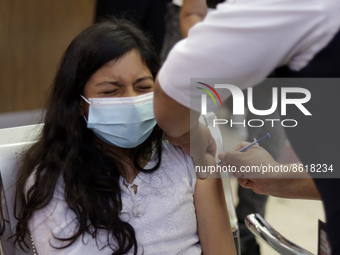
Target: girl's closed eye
column 145, row 88
column 110, row 92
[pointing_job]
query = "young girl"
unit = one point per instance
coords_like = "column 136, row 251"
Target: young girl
column 102, row 179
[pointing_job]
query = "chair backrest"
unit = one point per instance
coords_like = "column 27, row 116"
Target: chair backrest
column 13, row 143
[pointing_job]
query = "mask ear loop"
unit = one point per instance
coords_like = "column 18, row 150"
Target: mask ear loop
column 87, row 101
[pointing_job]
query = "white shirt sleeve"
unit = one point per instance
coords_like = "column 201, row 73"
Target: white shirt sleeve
column 185, row 167
column 177, row 2
column 244, row 40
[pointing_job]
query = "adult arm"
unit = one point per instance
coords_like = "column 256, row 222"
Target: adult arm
column 192, row 11
column 214, row 228
column 173, row 117
column 279, row 183
column 241, row 42
column 183, row 130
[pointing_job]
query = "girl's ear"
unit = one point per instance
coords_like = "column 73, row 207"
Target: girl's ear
column 82, row 107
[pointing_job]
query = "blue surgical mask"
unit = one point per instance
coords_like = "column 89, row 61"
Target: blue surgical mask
column 122, row 121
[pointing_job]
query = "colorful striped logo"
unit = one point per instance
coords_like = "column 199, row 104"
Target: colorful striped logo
column 204, row 97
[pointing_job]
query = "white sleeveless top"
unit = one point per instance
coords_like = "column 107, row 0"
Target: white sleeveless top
column 161, row 212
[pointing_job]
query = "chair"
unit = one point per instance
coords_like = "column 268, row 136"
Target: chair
column 13, row 142
column 22, row 134
column 260, row 228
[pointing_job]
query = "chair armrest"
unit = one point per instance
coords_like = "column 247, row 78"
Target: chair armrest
column 260, row 228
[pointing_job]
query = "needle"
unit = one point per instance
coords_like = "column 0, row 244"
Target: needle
column 250, row 145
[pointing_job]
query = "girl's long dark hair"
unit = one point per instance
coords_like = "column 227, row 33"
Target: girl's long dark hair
column 66, row 148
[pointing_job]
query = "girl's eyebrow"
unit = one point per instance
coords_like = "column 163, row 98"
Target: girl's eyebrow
column 143, row 79
column 117, row 83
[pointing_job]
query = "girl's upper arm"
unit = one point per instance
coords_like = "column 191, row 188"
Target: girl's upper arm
column 212, row 217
